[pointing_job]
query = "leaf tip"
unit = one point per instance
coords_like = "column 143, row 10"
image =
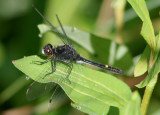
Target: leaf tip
column 13, row 61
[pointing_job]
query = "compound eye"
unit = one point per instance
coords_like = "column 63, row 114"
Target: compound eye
column 49, row 45
column 47, row 50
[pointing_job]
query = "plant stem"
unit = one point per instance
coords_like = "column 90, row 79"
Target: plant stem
column 147, row 94
column 119, row 14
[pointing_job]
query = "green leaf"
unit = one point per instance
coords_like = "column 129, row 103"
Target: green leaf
column 147, row 29
column 86, row 109
column 142, row 65
column 43, row 29
column 155, row 69
column 148, row 33
column 88, row 87
column 133, row 107
column 78, row 36
column 81, row 37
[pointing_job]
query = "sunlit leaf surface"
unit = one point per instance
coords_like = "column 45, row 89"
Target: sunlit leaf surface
column 133, row 107
column 155, row 69
column 142, row 65
column 93, row 89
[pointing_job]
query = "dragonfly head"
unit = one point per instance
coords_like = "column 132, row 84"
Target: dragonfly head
column 47, row 50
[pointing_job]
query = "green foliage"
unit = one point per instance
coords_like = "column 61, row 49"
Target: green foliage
column 94, row 90
column 91, row 91
column 149, row 62
column 142, row 65
column 2, row 57
column 147, row 29
column 133, row 107
column 155, row 69
column 148, row 34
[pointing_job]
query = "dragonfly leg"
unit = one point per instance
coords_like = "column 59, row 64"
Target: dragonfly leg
column 71, row 65
column 53, row 69
column 42, row 62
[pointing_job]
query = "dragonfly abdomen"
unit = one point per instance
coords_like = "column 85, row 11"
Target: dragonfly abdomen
column 102, row 66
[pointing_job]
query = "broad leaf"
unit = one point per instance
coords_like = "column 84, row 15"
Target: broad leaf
column 142, row 65
column 147, row 29
column 95, row 90
column 133, row 107
column 148, row 34
column 80, row 37
column 103, row 110
column 155, row 68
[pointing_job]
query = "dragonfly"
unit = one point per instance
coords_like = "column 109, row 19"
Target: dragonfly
column 65, row 54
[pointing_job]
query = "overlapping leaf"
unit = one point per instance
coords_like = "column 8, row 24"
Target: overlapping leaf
column 147, row 29
column 142, row 65
column 148, row 34
column 133, row 107
column 155, row 68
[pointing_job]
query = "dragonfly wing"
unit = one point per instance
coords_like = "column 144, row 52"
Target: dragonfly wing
column 57, row 99
column 62, row 35
column 65, row 37
column 36, row 89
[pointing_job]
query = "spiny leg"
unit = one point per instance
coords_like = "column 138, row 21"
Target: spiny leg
column 68, row 70
column 50, row 59
column 42, row 62
column 53, row 70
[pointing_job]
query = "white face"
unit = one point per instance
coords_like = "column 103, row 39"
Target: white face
column 43, row 51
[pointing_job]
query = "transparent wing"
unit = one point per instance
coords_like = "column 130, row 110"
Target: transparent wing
column 57, row 99
column 63, row 36
column 36, row 89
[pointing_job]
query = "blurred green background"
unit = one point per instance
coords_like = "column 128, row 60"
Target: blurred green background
column 19, row 38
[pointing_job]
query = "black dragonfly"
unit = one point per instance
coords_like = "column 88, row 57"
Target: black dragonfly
column 65, row 54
